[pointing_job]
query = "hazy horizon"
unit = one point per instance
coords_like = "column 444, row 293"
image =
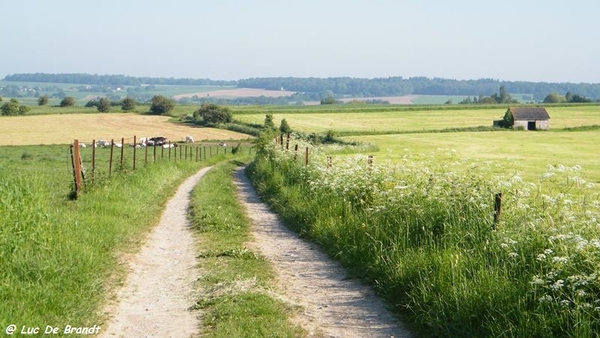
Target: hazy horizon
column 552, row 41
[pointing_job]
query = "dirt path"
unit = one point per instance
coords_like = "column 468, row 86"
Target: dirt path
column 155, row 298
column 332, row 306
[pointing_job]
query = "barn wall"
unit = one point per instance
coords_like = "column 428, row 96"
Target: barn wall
column 542, row 124
column 520, row 124
column 539, row 124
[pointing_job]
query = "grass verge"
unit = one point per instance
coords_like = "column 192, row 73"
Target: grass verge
column 234, row 295
column 60, row 258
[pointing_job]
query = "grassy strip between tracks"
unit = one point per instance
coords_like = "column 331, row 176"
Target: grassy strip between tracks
column 233, row 293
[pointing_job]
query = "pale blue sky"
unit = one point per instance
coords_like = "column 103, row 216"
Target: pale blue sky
column 529, row 40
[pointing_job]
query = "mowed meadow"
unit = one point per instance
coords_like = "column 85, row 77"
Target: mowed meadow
column 466, row 233
column 60, row 258
column 398, row 131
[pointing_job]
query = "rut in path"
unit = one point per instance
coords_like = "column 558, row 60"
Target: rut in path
column 331, row 305
column 158, row 291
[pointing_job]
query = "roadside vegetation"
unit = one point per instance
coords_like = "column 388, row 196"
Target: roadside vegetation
column 60, row 258
column 422, row 231
column 234, row 289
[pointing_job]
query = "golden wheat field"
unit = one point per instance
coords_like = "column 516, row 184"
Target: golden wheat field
column 63, row 129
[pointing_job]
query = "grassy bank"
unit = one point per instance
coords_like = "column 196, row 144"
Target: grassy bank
column 423, row 232
column 59, row 258
column 234, row 287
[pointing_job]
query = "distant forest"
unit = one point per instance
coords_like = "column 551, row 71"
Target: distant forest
column 338, row 86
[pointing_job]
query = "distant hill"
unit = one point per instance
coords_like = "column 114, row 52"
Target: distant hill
column 337, row 86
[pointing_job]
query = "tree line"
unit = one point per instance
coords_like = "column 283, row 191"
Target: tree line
column 112, row 80
column 398, row 86
column 314, row 88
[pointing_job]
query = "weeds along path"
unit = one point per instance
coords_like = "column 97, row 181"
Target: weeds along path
column 330, row 304
column 158, row 291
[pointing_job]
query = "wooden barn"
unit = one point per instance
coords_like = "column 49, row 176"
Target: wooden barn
column 529, row 118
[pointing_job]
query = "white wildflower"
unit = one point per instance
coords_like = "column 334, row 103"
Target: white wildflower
column 557, row 285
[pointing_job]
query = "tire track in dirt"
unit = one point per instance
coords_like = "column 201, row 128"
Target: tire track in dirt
column 331, row 305
column 158, row 291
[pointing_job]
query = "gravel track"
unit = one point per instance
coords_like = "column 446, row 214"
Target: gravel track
column 331, row 304
column 159, row 290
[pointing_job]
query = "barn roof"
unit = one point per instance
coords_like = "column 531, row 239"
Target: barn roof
column 529, row 113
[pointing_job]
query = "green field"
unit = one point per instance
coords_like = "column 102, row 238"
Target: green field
column 527, row 154
column 403, row 119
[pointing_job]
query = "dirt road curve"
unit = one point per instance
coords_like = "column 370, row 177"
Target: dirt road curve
column 156, row 296
column 332, row 306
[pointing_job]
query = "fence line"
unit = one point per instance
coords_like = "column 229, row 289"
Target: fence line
column 78, row 153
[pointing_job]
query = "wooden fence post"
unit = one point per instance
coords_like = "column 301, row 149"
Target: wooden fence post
column 306, row 158
column 146, row 154
column 134, row 149
column 93, row 157
column 122, row 151
column 205, row 152
column 295, row 152
column 110, row 161
column 76, row 158
column 154, row 155
column 497, row 208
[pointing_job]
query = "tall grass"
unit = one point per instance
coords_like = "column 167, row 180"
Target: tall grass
column 423, row 233
column 59, row 258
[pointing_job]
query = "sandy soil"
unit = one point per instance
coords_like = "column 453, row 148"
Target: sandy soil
column 331, row 305
column 63, row 129
column 155, row 298
column 238, row 92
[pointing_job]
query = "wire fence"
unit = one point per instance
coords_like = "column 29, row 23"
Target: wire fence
column 103, row 156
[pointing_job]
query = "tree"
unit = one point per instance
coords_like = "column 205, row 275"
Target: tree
column 68, row 101
column 569, row 97
column 128, row 103
column 284, row 127
column 269, row 124
column 42, row 100
column 92, row 103
column 161, row 105
column 508, row 119
column 503, row 97
column 12, row 107
column 212, row 114
column 579, row 99
column 553, row 98
column 103, row 105
column 328, row 100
